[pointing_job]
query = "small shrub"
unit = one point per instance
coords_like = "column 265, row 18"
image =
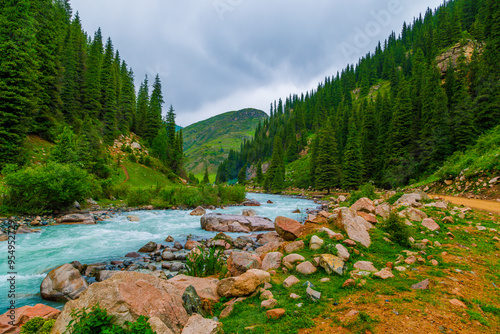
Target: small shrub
column 132, row 158
column 98, row 321
column 33, row 325
column 366, row 190
column 139, row 197
column 394, row 198
column 47, row 326
column 397, row 229
column 41, row 189
column 203, row 263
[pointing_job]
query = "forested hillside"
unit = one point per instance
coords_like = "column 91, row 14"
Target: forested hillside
column 74, row 91
column 393, row 117
column 207, row 143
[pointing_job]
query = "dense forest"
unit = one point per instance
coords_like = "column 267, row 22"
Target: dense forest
column 61, row 84
column 392, row 118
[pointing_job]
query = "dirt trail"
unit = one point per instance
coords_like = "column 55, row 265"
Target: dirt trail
column 127, row 176
column 490, row 206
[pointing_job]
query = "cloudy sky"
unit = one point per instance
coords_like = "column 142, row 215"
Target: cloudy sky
column 215, row 56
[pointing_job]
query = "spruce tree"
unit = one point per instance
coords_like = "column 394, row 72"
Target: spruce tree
column 206, row 178
column 260, row 175
column 93, row 76
column 18, row 77
column 242, row 175
column 154, row 120
column 108, row 94
column 275, row 176
column 142, row 108
column 327, row 160
column 127, row 99
column 352, row 167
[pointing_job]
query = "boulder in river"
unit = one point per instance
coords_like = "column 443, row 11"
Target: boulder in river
column 63, row 284
column 250, row 202
column 149, row 247
column 233, row 223
column 86, row 218
column 128, row 295
column 199, row 211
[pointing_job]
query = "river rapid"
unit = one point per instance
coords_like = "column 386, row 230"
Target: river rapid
column 38, row 253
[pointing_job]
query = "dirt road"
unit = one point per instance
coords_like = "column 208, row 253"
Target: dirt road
column 490, row 206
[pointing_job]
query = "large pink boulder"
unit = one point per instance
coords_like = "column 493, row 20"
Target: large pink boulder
column 289, row 229
column 364, row 204
column 128, row 295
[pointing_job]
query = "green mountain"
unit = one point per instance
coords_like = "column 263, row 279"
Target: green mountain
column 209, row 142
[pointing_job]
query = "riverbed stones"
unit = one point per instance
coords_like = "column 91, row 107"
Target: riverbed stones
column 249, row 213
column 149, row 247
column 199, row 211
column 167, row 256
column 241, row 241
column 191, row 244
column 128, row 295
column 331, row 264
column 355, row 226
column 287, row 228
column 250, row 202
column 240, row 286
column 240, row 262
column 430, row 224
column 63, row 284
column 364, row 204
column 133, row 255
column 306, row 268
column 106, row 274
column 133, row 218
column 233, row 223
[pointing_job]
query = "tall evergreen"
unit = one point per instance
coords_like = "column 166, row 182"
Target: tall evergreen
column 352, row 165
column 142, row 108
column 18, row 77
column 93, row 104
column 275, row 176
column 108, row 94
column 153, row 121
column 327, row 160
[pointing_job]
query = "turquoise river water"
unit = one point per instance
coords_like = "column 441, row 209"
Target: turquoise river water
column 38, row 253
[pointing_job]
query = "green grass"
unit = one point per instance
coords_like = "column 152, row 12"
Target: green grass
column 143, row 177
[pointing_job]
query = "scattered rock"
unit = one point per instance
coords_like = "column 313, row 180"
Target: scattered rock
column 294, row 246
column 316, row 243
column 331, row 264
column 149, row 247
column 133, row 218
column 324, row 280
column 239, row 262
column 331, row 234
column 424, row 285
column 448, row 220
column 355, row 226
column 191, row 244
column 241, row 242
column 272, row 261
column 294, row 296
column 364, row 204
column 87, row 218
column 313, row 294
column 287, row 228
column 306, row 268
column 169, row 239
column 431, row 224
column 133, row 255
column 383, row 210
column 400, row 268
column 290, row 281
column 249, row 213
column 250, row 202
column 369, row 217
column 269, row 303
column 413, row 214
column 63, row 284
column 365, row 266
column 106, row 274
column 199, row 325
column 167, row 256
column 264, row 276
column 206, row 287
column 276, row 313
column 266, row 295
column 240, row 286
column 413, row 199
column 349, row 283
column 456, row 302
column 178, row 245
column 411, row 260
column 199, row 211
column 384, row 274
column 343, row 253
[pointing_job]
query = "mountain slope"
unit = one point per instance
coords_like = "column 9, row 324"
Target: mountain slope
column 209, row 142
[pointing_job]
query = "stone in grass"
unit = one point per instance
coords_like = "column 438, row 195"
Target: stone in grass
column 313, row 294
column 430, row 224
column 306, row 268
column 424, row 285
column 269, row 303
column 276, row 313
column 365, row 266
column 456, row 302
column 192, row 302
column 294, row 296
column 384, row 274
column 331, row 264
column 266, row 295
column 316, row 243
column 290, row 281
column 197, row 324
column 350, row 282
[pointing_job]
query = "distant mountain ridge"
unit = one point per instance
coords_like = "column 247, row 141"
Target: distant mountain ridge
column 208, row 142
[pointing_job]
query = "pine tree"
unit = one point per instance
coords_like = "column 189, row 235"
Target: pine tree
column 18, row 77
column 154, row 120
column 127, row 99
column 275, row 176
column 313, row 162
column 242, row 175
column 142, row 108
column 327, row 160
column 352, row 167
column 206, row 178
column 260, row 175
column 369, row 144
column 108, row 94
column 93, row 76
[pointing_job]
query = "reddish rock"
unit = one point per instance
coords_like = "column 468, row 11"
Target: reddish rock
column 206, row 287
column 23, row 315
column 287, row 228
column 365, row 266
column 272, row 261
column 190, row 244
column 133, row 255
column 355, row 226
column 276, row 313
column 269, row 303
column 456, row 302
column 369, row 217
column 269, row 247
column 350, row 242
column 383, row 210
column 292, row 258
column 350, row 282
column 430, row 224
column 290, row 281
column 240, row 286
column 199, row 211
column 364, row 204
column 306, row 268
column 128, row 295
column 294, row 246
column 239, row 262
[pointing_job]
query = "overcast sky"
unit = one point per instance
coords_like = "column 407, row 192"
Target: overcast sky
column 215, row 56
